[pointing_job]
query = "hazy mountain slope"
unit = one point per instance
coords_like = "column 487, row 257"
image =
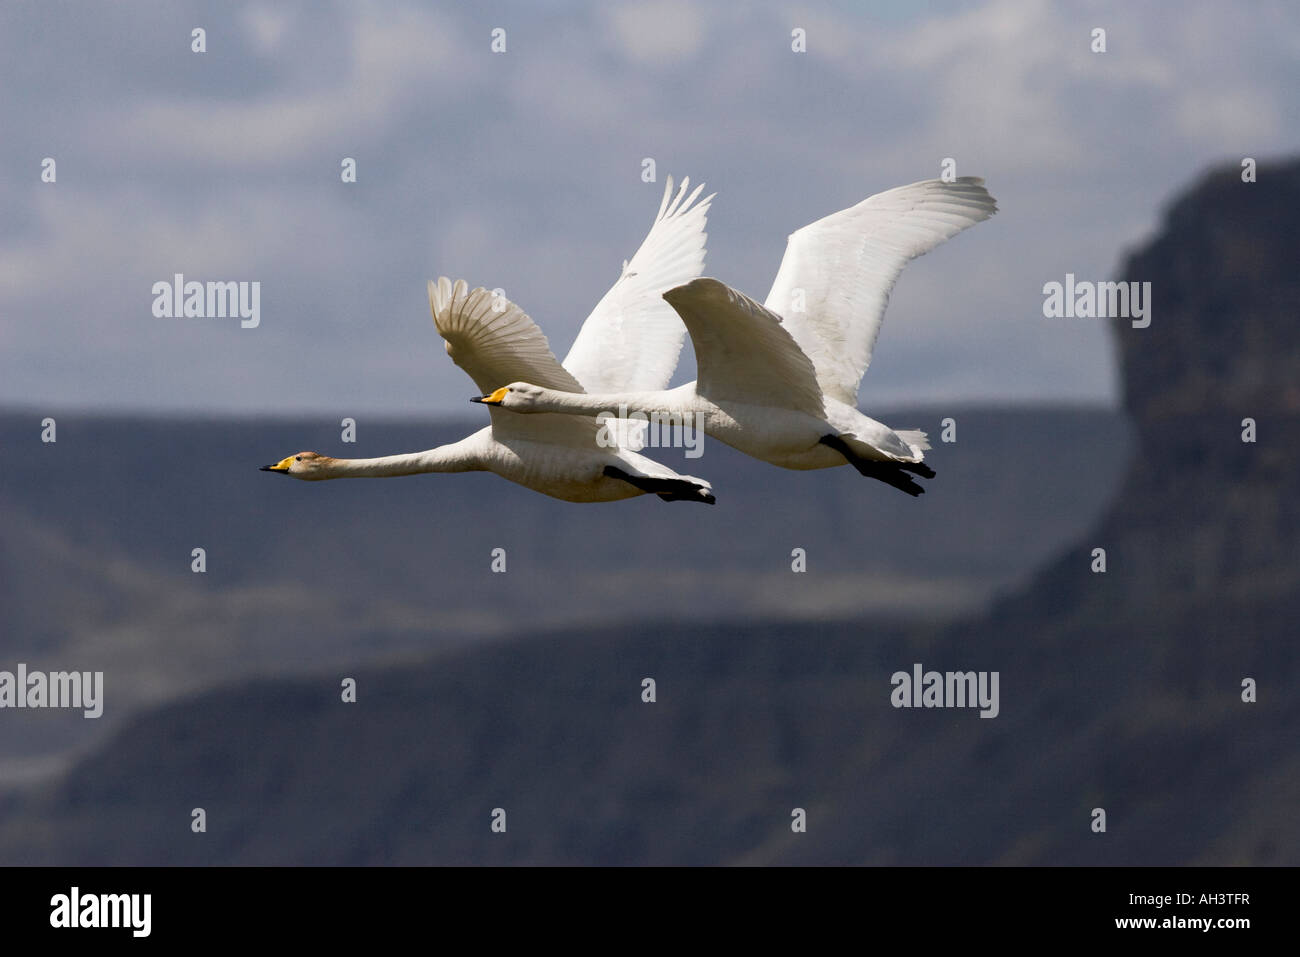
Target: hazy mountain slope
column 151, row 490
column 98, row 528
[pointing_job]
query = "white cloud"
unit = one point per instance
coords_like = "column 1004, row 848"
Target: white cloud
column 520, row 170
column 266, row 26
column 397, row 57
column 657, row 32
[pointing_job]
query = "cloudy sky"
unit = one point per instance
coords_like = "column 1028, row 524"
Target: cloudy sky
column 522, row 170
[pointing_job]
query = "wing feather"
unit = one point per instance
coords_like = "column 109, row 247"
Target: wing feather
column 835, row 278
column 496, row 343
column 743, row 351
column 632, row 339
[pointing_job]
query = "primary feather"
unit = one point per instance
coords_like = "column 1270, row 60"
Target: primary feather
column 632, row 339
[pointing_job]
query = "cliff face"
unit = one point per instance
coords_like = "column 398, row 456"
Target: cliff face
column 1224, row 347
column 1205, row 533
column 1202, row 587
column 1225, row 270
column 1120, row 691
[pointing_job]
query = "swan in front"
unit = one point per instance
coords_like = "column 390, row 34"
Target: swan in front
column 631, row 340
column 779, row 381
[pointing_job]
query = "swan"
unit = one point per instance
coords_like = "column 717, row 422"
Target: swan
column 631, row 340
column 779, row 381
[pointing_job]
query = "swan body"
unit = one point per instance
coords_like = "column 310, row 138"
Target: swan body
column 779, row 381
column 789, row 438
column 631, row 339
column 573, row 474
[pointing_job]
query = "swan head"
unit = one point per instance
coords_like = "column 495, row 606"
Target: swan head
column 308, row 466
column 517, row 397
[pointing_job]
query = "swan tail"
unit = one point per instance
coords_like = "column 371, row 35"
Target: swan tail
column 917, row 439
column 892, row 471
column 918, row 442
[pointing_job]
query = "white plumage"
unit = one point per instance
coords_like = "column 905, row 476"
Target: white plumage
column 780, row 381
column 847, row 264
column 631, row 339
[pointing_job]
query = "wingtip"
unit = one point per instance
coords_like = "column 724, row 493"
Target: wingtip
column 701, row 285
column 441, row 293
column 977, row 191
column 667, row 198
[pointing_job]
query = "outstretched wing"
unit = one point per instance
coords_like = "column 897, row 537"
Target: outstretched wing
column 837, row 273
column 743, row 351
column 496, row 343
column 632, row 339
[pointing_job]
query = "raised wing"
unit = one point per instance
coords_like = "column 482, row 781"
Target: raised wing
column 837, row 273
column 496, row 342
column 632, row 339
column 743, row 351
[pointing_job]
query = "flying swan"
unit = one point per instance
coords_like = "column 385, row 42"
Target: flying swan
column 631, row 340
column 780, row 381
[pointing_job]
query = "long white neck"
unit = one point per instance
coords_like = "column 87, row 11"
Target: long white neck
column 670, row 401
column 457, row 457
